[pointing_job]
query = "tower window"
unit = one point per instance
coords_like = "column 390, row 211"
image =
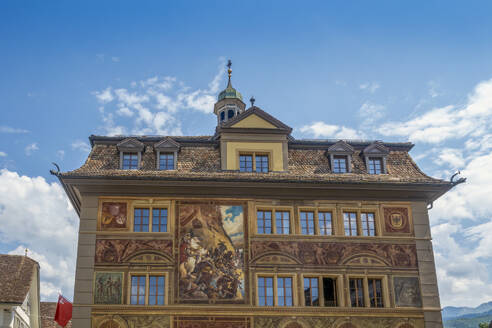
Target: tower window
column 222, row 116
column 230, row 113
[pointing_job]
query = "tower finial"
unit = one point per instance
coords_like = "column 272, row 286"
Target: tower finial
column 252, row 101
column 229, row 71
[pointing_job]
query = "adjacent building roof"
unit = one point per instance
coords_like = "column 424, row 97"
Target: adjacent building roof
column 48, row 310
column 16, row 273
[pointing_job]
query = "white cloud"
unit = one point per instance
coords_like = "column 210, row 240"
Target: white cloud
column 8, row 129
column 371, row 112
column 451, row 157
column 323, row 130
column 370, row 86
column 81, row 146
column 433, row 89
column 105, row 95
column 60, row 154
column 115, row 59
column 3, row 154
column 124, row 111
column 472, row 120
column 31, row 149
column 37, row 215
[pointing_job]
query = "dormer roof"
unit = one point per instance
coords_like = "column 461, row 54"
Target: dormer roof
column 341, row 147
column 130, row 144
column 376, row 148
column 262, row 119
column 167, row 144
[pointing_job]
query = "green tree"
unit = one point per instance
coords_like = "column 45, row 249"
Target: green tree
column 483, row 325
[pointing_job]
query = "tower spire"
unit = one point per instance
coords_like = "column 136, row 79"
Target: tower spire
column 229, row 71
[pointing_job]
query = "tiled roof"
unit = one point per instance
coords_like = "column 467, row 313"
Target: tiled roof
column 16, row 272
column 202, row 162
column 48, row 310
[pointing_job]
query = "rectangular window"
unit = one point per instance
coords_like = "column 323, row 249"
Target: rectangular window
column 166, row 161
column 261, row 163
column 325, row 223
column 307, row 223
column 368, row 226
column 375, row 165
column 137, row 293
column 265, row 291
column 340, row 164
column 356, row 292
column 311, row 292
column 141, row 220
column 282, row 219
column 246, row 163
column 156, row 290
column 130, row 161
column 350, row 223
column 375, row 292
column 330, row 291
column 284, row 291
column 264, row 222
column 159, row 220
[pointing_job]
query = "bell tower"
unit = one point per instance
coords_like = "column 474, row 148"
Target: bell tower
column 229, row 102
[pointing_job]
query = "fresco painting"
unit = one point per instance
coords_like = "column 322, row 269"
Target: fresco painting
column 108, row 287
column 407, row 292
column 211, row 252
column 113, row 216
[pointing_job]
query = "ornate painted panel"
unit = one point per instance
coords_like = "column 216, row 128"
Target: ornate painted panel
column 114, row 216
column 211, row 252
column 211, row 322
column 131, row 321
column 330, row 253
column 333, row 322
column 407, row 292
column 108, row 287
column 122, row 250
column 396, row 220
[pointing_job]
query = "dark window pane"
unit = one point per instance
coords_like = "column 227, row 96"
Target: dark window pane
column 261, row 163
column 340, row 164
column 356, row 292
column 307, row 223
column 222, row 116
column 330, row 291
column 230, row 113
column 282, row 219
column 246, row 163
column 166, row 161
column 375, row 292
column 141, row 220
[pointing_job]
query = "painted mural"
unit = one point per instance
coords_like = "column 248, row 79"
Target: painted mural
column 211, row 252
column 120, row 250
column 108, row 287
column 316, row 253
column 211, row 322
column 113, row 215
column 407, row 292
column 332, row 322
column 396, row 220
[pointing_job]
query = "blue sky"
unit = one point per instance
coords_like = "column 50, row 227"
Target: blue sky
column 418, row 71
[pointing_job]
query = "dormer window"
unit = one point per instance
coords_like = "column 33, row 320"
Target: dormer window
column 167, row 154
column 375, row 157
column 340, row 164
column 340, row 156
column 130, row 161
column 246, row 163
column 254, row 162
column 166, row 161
column 130, row 154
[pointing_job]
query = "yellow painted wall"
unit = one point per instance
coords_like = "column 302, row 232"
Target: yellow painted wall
column 272, row 148
column 252, row 122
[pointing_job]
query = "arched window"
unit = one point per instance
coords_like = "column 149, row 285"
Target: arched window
column 230, row 113
column 222, row 116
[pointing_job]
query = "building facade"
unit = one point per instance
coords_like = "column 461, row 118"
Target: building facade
column 251, row 227
column 19, row 292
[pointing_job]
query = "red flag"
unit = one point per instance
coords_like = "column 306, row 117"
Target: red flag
column 63, row 311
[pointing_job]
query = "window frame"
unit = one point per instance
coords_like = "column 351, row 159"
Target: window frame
column 317, row 210
column 131, row 153
column 381, row 161
column 253, row 155
column 275, row 277
column 151, row 207
column 359, row 211
column 147, row 275
column 173, row 153
column 338, row 285
column 347, row 161
column 274, row 211
column 365, row 287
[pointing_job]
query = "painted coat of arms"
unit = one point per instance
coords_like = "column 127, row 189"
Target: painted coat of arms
column 113, row 215
column 211, row 252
